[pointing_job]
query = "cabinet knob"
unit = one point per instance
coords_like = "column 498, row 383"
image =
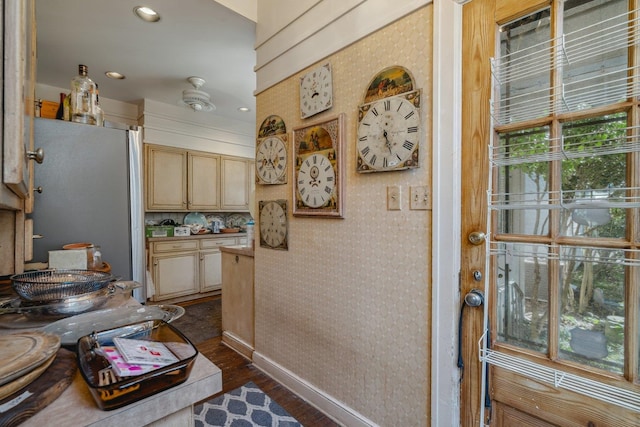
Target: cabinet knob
column 37, row 155
column 38, row 189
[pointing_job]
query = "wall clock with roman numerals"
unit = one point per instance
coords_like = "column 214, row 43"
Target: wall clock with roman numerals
column 274, row 230
column 271, row 160
column 272, row 151
column 316, row 91
column 389, row 125
column 318, row 168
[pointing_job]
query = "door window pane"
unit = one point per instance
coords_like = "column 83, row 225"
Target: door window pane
column 523, row 295
column 594, row 54
column 523, row 72
column 594, row 177
column 592, row 318
column 523, row 181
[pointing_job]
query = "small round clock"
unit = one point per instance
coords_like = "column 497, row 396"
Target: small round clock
column 316, row 91
column 316, row 181
column 273, row 224
column 389, row 134
column 271, row 160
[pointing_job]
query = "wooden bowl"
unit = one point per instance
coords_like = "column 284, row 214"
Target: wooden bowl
column 229, row 230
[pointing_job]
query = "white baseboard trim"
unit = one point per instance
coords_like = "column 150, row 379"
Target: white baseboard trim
column 331, row 407
column 235, row 343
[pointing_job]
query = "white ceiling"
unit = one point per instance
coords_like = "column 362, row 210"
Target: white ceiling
column 193, row 38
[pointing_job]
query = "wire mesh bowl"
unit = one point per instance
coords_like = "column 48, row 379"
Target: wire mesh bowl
column 50, row 285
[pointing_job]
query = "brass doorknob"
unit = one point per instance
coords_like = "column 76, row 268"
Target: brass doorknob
column 477, row 238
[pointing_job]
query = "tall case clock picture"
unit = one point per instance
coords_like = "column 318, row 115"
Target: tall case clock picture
column 274, row 229
column 316, row 91
column 318, row 171
column 389, row 123
column 272, row 152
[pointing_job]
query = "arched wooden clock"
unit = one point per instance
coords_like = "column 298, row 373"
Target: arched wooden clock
column 272, row 152
column 389, row 123
column 318, row 168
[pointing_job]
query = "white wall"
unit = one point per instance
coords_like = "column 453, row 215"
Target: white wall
column 293, row 34
column 166, row 124
column 175, row 126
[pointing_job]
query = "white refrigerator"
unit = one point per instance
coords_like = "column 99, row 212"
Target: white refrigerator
column 91, row 180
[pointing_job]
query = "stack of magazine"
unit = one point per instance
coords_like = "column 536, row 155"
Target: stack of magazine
column 131, row 357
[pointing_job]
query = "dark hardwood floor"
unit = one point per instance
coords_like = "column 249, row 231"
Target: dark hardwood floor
column 237, row 370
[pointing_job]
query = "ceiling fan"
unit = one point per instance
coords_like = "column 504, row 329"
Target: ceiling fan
column 195, row 98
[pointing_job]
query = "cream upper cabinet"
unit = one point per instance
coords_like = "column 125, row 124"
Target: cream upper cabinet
column 185, row 180
column 203, row 173
column 166, row 178
column 237, row 183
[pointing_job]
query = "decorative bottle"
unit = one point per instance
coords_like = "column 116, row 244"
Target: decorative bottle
column 83, row 91
column 250, row 237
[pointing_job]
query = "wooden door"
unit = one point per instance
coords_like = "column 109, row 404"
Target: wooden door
column 551, row 176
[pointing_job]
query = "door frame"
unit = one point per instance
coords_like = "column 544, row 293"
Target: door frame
column 446, row 200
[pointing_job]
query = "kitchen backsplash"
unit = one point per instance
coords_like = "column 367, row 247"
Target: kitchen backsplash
column 230, row 219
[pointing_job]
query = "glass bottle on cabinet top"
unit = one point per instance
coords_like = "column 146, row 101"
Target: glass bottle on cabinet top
column 83, row 91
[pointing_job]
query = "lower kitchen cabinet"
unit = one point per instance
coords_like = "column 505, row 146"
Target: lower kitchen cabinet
column 238, row 299
column 175, row 275
column 187, row 268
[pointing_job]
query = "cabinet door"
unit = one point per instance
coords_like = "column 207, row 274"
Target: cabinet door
column 210, row 271
column 19, row 95
column 204, row 170
column 166, row 178
column 235, row 184
column 175, row 275
column 237, row 296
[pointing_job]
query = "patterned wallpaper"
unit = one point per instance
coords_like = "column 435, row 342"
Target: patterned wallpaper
column 347, row 307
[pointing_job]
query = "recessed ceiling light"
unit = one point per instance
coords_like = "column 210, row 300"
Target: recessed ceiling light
column 244, row 109
column 146, row 14
column 114, row 75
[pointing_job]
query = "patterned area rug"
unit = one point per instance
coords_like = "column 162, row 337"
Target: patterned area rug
column 246, row 406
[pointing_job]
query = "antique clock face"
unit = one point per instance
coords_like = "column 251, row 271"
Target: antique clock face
column 316, row 91
column 271, row 160
column 389, row 134
column 318, row 172
column 273, row 224
column 316, row 181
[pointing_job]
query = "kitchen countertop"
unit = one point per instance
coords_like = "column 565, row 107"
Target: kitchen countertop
column 196, row 236
column 238, row 250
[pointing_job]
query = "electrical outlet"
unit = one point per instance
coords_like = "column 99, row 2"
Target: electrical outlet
column 419, row 198
column 393, row 198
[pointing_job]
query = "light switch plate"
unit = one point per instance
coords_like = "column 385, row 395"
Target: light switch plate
column 419, row 198
column 393, row 198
